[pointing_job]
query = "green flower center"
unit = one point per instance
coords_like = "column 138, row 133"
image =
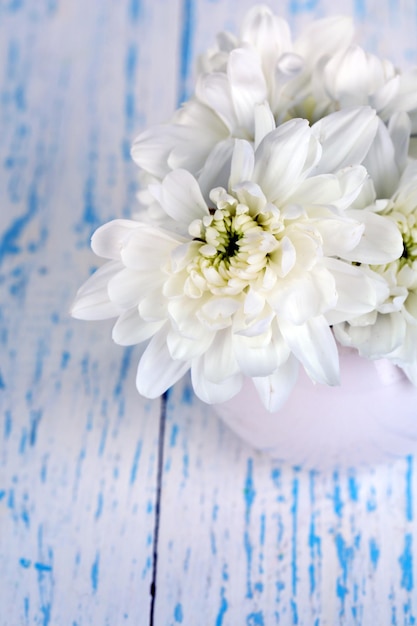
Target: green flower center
column 235, row 247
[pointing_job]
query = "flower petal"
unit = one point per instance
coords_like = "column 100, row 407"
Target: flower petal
column 247, row 85
column 128, row 287
column 212, row 392
column 182, row 198
column 275, row 389
column 264, row 122
column 381, row 241
column 324, row 37
column 219, row 362
column 243, row 161
column 92, row 301
column 148, row 248
column 266, row 32
column 216, row 170
column 255, row 356
column 354, row 129
column 379, row 339
column 131, row 329
column 381, row 163
column 283, row 157
column 108, row 240
column 214, row 91
column 157, row 371
column 359, row 291
column 314, row 346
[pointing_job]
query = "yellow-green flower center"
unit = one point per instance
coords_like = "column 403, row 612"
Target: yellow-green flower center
column 235, row 247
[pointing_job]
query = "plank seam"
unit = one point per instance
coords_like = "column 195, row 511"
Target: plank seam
column 161, row 441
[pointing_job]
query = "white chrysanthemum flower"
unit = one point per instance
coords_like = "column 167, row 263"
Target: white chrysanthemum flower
column 242, row 74
column 248, row 283
column 263, row 77
column 354, row 77
column 391, row 330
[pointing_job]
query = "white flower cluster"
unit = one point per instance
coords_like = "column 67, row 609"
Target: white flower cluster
column 281, row 216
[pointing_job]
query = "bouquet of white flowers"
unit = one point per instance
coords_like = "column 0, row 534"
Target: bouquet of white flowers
column 279, row 219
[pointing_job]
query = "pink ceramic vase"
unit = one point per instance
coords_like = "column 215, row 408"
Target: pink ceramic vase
column 371, row 417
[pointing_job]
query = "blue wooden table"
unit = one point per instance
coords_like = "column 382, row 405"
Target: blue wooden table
column 115, row 509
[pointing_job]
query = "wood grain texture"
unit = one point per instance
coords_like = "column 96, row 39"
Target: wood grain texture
column 244, row 540
column 229, row 536
column 79, row 446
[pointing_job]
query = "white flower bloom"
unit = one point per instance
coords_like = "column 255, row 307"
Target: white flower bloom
column 391, row 330
column 353, row 77
column 263, row 78
column 241, row 75
column 248, row 281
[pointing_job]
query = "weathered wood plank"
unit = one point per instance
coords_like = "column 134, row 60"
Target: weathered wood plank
column 246, row 540
column 78, row 445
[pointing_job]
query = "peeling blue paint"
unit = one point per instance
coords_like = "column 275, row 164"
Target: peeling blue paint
column 187, row 395
column 131, row 62
column 249, row 497
column 302, row 6
column 41, row 352
column 256, row 619
column 10, row 499
column 42, row 567
column 406, row 563
column 371, row 504
column 248, row 551
column 360, row 9
column 174, row 434
column 135, row 10
column 26, row 606
column 409, row 489
column 178, row 613
column 95, row 573
column 44, row 468
column 374, row 552
column 353, row 488
column 123, row 374
column 314, row 540
column 35, row 418
column 223, row 607
column 99, row 508
column 249, row 490
column 337, row 499
column 23, row 441
column 65, row 359
column 103, row 437
column 345, row 556
column 135, row 464
column 185, row 465
column 294, row 515
column 25, row 517
column 213, row 543
column 186, row 49
column 294, row 611
column 9, row 242
column 8, row 424
column 130, row 108
column 262, row 530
